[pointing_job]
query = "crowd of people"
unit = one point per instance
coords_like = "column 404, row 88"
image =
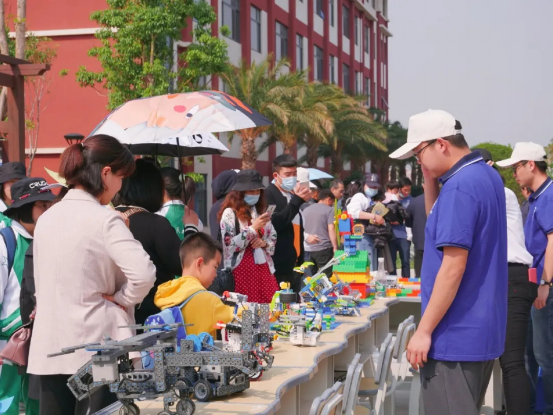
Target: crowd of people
column 119, row 243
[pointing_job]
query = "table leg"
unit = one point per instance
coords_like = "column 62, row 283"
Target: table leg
column 382, row 328
column 321, row 380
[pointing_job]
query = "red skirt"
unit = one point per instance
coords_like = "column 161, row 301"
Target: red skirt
column 253, row 280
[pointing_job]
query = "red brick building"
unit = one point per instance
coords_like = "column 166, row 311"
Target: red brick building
column 340, row 41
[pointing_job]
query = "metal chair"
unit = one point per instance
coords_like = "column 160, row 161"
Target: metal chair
column 320, row 401
column 377, row 387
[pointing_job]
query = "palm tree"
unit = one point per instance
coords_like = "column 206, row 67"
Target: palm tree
column 355, row 130
column 265, row 88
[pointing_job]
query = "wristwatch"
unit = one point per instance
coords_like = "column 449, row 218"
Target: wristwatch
column 544, row 282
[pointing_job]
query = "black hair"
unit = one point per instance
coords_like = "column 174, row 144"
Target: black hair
column 379, row 197
column 284, row 160
column 82, row 164
column 392, row 185
column 173, row 185
column 334, row 184
column 23, row 214
column 189, row 189
column 357, row 186
column 326, row 193
column 144, row 188
column 405, row 181
column 198, row 245
column 457, row 140
column 542, row 166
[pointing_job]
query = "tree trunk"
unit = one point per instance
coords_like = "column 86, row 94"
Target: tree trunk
column 3, row 51
column 336, row 163
column 393, row 174
column 20, row 24
column 249, row 151
column 312, row 155
column 401, row 169
column 418, row 175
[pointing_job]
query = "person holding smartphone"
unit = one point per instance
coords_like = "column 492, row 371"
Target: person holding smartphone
column 249, row 238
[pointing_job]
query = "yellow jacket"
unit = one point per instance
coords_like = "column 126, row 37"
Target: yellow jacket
column 204, row 310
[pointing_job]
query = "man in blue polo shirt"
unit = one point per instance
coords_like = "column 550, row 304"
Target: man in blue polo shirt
column 529, row 164
column 464, row 270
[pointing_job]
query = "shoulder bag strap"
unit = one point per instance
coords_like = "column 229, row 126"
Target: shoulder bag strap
column 180, row 306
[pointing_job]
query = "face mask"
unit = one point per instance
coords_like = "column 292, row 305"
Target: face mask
column 251, row 199
column 370, row 192
column 289, row 183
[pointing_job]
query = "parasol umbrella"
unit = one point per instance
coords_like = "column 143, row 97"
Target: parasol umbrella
column 171, row 124
column 316, row 174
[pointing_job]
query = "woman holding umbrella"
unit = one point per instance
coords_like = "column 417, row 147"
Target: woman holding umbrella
column 249, row 238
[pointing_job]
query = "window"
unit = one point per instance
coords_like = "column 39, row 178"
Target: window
column 299, row 53
column 385, row 8
column 367, row 91
column 345, row 78
column 281, row 47
column 231, row 18
column 332, row 69
column 367, row 39
column 345, row 21
column 356, row 31
column 256, row 29
column 331, row 5
column 319, row 8
column 200, row 199
column 385, row 74
column 357, row 86
column 318, row 75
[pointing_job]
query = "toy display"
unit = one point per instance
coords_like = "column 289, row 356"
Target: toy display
column 349, row 233
column 193, row 366
column 299, row 335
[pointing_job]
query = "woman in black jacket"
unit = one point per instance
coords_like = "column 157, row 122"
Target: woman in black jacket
column 140, row 197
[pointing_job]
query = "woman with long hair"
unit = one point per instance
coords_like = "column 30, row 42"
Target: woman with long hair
column 174, row 207
column 249, row 238
column 139, row 199
column 90, row 272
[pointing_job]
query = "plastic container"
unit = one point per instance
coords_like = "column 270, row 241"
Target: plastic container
column 381, row 279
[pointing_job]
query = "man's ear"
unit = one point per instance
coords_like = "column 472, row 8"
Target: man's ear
column 199, row 263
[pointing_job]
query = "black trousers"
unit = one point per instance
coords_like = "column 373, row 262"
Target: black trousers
column 57, row 399
column 516, row 382
column 419, row 253
column 320, row 259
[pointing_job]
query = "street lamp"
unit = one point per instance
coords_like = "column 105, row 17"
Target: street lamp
column 73, row 138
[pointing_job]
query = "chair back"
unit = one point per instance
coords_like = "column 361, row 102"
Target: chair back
column 333, row 406
column 349, row 378
column 405, row 323
column 383, row 380
column 383, row 349
column 351, row 400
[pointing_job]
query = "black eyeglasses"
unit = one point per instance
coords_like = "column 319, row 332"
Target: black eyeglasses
column 515, row 168
column 419, row 153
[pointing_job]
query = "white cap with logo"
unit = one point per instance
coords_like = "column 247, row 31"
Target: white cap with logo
column 524, row 152
column 427, row 126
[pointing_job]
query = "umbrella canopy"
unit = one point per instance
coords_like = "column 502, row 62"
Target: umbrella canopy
column 152, row 120
column 316, row 174
column 196, row 145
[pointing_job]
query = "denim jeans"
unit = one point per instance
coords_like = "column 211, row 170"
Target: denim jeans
column 401, row 246
column 367, row 244
column 542, row 322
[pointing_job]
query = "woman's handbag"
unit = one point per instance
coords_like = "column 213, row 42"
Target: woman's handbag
column 224, row 281
column 16, row 350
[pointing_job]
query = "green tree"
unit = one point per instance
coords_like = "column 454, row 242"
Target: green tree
column 502, row 152
column 136, row 51
column 264, row 87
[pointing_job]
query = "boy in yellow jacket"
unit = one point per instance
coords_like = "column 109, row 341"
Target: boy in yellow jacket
column 200, row 257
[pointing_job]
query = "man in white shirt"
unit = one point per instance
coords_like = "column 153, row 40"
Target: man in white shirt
column 521, row 295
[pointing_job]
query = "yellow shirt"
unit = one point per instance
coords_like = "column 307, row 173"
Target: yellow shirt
column 204, row 310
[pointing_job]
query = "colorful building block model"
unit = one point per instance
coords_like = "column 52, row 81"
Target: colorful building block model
column 349, row 233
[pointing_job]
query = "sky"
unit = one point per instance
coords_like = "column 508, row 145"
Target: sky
column 487, row 62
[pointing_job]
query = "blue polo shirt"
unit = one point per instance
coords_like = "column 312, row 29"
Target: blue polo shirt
column 470, row 213
column 539, row 224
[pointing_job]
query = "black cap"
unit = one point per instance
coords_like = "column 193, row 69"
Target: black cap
column 30, row 190
column 13, row 170
column 248, row 180
column 372, row 180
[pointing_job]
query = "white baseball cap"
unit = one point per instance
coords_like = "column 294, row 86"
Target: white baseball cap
column 524, row 152
column 427, row 126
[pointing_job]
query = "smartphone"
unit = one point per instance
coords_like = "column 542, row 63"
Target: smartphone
column 271, row 209
column 304, row 185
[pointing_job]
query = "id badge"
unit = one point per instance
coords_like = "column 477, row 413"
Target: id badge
column 533, row 275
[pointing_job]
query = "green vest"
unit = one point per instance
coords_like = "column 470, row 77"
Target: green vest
column 174, row 215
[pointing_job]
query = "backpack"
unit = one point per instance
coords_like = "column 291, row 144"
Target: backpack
column 174, row 315
column 8, row 235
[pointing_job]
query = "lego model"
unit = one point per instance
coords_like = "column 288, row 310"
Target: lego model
column 298, row 334
column 193, row 366
column 350, row 233
column 303, row 267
